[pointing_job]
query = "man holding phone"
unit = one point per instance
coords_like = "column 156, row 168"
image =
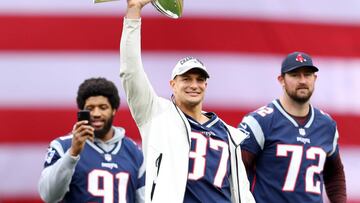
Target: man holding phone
column 96, row 162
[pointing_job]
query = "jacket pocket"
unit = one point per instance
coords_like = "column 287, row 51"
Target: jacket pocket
column 157, row 165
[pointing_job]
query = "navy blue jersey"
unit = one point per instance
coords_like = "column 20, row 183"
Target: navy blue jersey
column 289, row 157
column 209, row 165
column 101, row 176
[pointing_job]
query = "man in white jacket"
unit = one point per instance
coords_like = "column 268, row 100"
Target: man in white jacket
column 190, row 155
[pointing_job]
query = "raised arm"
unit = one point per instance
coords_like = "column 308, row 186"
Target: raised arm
column 140, row 95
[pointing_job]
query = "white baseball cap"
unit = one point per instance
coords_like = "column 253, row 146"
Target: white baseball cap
column 186, row 64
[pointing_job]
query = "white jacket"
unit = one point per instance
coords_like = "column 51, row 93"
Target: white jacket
column 165, row 130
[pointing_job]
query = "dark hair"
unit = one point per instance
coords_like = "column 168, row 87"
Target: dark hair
column 98, row 87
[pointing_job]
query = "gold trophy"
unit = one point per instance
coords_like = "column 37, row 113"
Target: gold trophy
column 170, row 8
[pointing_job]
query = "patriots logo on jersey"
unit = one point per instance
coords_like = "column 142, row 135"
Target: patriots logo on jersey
column 49, row 155
column 243, row 127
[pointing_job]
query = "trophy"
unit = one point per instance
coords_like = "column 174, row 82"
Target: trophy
column 170, row 8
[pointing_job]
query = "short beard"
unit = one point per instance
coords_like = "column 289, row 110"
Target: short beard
column 297, row 99
column 107, row 126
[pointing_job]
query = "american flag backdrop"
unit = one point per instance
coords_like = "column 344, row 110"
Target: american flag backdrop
column 48, row 47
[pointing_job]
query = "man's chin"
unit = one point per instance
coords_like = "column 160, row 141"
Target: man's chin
column 302, row 99
column 194, row 100
column 100, row 133
column 194, row 103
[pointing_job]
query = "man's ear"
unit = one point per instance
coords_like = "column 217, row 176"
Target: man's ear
column 281, row 80
column 172, row 83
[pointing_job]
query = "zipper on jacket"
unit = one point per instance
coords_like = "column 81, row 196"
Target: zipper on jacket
column 157, row 164
column 237, row 173
column 237, row 162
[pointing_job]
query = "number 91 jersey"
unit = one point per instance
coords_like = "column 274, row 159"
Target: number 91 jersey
column 289, row 157
column 99, row 176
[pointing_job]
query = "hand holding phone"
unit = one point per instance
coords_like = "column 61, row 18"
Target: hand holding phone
column 81, row 132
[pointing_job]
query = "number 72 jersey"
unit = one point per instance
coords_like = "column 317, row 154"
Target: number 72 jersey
column 290, row 157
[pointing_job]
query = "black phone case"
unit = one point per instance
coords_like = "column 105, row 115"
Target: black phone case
column 83, row 115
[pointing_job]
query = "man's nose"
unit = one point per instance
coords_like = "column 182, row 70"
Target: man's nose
column 302, row 78
column 95, row 112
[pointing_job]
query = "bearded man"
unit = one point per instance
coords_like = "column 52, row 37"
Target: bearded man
column 96, row 162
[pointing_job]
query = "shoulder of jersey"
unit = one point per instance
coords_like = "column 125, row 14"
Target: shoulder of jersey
column 66, row 137
column 131, row 142
column 65, row 140
column 264, row 112
column 324, row 116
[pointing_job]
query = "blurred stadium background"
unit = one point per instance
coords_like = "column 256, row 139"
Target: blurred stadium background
column 47, row 48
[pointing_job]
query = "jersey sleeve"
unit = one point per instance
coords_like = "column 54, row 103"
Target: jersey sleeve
column 57, row 173
column 52, row 156
column 255, row 141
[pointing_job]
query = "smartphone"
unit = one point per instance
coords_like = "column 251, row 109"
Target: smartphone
column 83, row 115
